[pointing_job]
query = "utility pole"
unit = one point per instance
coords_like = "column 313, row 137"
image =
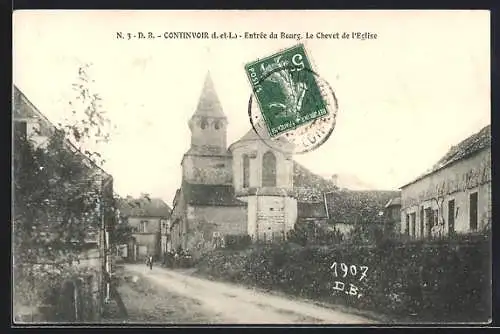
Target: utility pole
column 105, row 249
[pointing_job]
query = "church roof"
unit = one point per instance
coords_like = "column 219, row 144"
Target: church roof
column 210, row 194
column 252, row 135
column 209, row 104
column 263, row 135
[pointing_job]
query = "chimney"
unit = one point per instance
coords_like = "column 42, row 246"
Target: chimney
column 334, row 179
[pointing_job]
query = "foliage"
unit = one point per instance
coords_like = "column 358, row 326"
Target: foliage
column 58, row 189
column 314, row 233
column 442, row 280
column 365, row 234
column 236, row 241
column 121, row 234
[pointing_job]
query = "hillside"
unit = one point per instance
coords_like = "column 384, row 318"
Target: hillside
column 309, row 187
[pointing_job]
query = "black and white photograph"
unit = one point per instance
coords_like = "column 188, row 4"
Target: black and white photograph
column 251, row 167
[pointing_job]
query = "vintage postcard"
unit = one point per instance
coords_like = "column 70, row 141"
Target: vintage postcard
column 235, row 167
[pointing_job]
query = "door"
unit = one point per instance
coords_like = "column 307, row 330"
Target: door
column 428, row 221
column 451, row 217
column 473, row 212
column 421, row 222
column 412, row 224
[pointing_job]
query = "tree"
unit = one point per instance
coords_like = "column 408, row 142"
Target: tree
column 58, row 194
column 122, row 234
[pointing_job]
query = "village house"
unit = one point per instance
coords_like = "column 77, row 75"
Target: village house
column 347, row 209
column 392, row 216
column 147, row 217
column 454, row 196
column 33, row 125
column 29, row 124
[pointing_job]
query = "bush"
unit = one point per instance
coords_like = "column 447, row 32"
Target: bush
column 236, row 241
column 442, row 280
column 314, row 233
column 43, row 288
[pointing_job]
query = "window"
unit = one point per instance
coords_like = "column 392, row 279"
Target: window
column 269, row 170
column 246, row 171
column 20, row 129
column 451, row 217
column 203, row 123
column 412, row 223
column 428, row 221
column 407, row 227
column 473, row 212
column 143, row 226
column 217, row 125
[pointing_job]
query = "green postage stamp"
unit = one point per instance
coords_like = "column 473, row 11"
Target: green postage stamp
column 286, row 90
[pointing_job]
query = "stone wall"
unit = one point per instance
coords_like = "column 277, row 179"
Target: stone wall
column 207, row 169
column 271, row 217
column 203, row 221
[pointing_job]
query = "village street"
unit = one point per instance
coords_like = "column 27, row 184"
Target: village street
column 166, row 296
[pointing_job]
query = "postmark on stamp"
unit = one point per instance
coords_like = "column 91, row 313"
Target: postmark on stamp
column 292, row 109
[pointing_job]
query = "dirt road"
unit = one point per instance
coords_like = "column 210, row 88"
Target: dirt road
column 227, row 303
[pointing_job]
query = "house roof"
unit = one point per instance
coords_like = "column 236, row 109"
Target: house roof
column 393, row 202
column 467, row 147
column 143, row 207
column 311, row 210
column 24, row 108
column 209, row 104
column 357, row 206
column 208, row 194
column 309, row 187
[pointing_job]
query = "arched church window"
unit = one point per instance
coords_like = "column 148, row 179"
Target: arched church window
column 269, row 170
column 203, row 124
column 217, row 125
column 246, row 171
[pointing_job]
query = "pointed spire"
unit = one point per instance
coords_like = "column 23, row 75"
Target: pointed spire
column 209, row 104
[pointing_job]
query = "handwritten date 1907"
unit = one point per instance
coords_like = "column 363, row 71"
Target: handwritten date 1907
column 353, row 270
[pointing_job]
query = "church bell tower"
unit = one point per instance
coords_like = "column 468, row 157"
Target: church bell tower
column 208, row 124
column 208, row 160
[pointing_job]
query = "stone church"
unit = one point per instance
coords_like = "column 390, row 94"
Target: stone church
column 246, row 188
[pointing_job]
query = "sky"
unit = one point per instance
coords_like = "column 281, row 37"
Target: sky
column 404, row 98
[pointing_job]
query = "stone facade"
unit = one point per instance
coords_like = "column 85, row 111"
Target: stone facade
column 207, row 169
column 263, row 178
column 453, row 199
column 145, row 216
column 146, row 234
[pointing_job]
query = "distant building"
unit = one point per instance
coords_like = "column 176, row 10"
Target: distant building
column 347, row 209
column 455, row 195
column 392, row 216
column 147, row 217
